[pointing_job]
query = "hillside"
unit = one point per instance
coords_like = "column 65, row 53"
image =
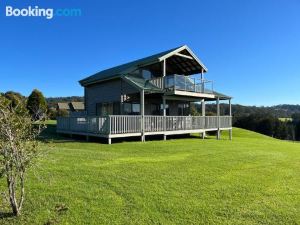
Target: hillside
column 253, row 179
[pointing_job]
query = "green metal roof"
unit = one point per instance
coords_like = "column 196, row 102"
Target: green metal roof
column 142, row 84
column 126, row 68
column 118, row 71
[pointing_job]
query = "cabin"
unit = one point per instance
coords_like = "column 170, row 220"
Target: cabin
column 74, row 108
column 154, row 95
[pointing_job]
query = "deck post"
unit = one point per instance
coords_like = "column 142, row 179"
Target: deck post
column 203, row 114
column 109, row 141
column 164, row 72
column 164, row 118
column 164, row 68
column 230, row 114
column 202, row 81
column 87, row 138
column 218, row 119
column 142, row 105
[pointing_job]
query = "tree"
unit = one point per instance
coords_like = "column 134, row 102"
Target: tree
column 15, row 98
column 296, row 117
column 18, row 149
column 37, row 105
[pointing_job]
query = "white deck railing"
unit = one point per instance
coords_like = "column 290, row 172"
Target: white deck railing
column 123, row 124
column 182, row 83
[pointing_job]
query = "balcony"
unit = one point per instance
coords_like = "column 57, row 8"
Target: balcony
column 183, row 83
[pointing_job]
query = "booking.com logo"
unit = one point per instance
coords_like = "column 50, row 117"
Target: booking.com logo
column 48, row 13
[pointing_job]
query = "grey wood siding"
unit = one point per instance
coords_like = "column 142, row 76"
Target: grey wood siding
column 109, row 91
column 127, row 88
column 102, row 92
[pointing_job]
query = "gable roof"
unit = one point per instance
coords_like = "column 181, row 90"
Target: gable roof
column 63, row 106
column 77, row 105
column 127, row 68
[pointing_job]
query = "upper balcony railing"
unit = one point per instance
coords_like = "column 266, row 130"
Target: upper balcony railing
column 183, row 83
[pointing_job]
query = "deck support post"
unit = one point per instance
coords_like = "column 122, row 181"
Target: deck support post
column 202, row 81
column 218, row 119
column 230, row 114
column 142, row 105
column 87, row 138
column 164, row 118
column 164, row 72
column 109, row 141
column 203, row 114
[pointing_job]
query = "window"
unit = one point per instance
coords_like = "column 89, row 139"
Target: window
column 131, row 108
column 107, row 108
column 136, row 108
column 127, row 108
column 116, row 108
column 183, row 109
column 155, row 109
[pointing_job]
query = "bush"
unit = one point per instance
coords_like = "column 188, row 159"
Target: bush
column 62, row 112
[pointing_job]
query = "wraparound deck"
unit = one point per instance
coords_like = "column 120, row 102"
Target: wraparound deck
column 116, row 126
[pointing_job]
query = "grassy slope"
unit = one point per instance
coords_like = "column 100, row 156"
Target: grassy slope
column 252, row 179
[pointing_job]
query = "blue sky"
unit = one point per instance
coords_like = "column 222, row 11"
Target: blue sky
column 251, row 48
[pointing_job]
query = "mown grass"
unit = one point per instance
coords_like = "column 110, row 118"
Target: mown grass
column 253, row 179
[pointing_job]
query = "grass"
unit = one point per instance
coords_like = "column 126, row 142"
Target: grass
column 253, row 179
column 286, row 119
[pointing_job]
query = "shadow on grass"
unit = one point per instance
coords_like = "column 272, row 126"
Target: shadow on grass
column 50, row 135
column 5, row 215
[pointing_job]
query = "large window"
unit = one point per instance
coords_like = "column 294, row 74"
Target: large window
column 107, row 108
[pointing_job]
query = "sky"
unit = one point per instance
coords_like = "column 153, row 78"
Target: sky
column 251, row 48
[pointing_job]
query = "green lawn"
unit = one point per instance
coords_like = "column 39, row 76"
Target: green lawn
column 253, row 179
column 286, row 119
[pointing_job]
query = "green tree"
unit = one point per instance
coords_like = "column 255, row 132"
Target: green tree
column 36, row 104
column 15, row 98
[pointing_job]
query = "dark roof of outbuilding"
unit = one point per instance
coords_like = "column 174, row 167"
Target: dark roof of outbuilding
column 127, row 68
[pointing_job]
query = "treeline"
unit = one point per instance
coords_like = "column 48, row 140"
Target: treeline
column 280, row 121
column 279, row 111
column 270, row 125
